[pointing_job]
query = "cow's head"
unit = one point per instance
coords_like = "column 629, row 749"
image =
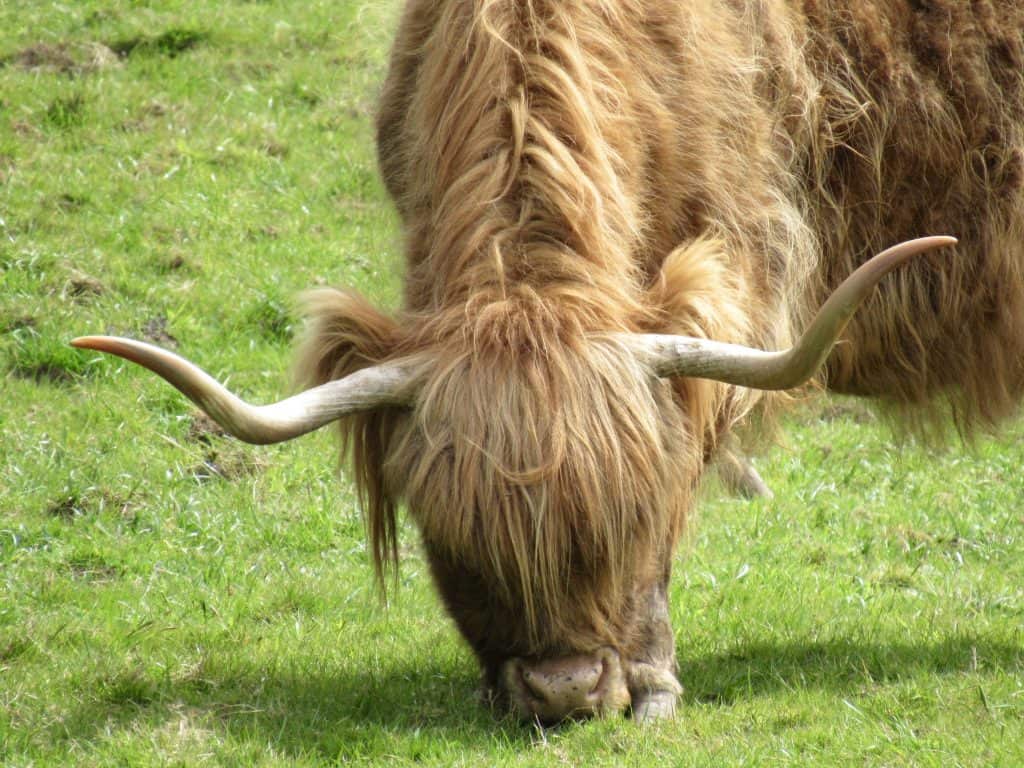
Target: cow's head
column 549, row 476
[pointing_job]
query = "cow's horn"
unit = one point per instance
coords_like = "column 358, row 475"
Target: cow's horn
column 380, row 385
column 732, row 364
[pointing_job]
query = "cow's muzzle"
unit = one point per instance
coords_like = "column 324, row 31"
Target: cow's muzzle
column 570, row 687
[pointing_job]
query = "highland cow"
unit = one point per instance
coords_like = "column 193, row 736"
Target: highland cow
column 609, row 207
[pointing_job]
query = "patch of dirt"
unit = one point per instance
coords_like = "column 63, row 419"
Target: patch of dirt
column 65, row 58
column 224, row 460
column 93, row 501
column 155, row 331
column 81, row 287
column 274, row 148
column 855, row 412
column 156, row 108
column 202, row 429
column 26, row 129
column 67, row 508
column 230, row 463
column 44, row 56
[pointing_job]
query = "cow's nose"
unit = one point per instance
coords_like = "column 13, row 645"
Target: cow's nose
column 552, row 690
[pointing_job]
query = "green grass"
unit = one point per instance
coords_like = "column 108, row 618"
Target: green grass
column 179, row 171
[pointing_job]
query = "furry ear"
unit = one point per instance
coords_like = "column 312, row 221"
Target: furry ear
column 702, row 292
column 698, row 292
column 344, row 334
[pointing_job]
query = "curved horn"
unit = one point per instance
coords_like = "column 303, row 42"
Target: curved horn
column 745, row 367
column 380, row 385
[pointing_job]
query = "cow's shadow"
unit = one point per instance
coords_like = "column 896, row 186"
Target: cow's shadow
column 360, row 713
column 755, row 669
column 339, row 714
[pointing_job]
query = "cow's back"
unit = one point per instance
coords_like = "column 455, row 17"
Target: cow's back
column 921, row 131
column 801, row 136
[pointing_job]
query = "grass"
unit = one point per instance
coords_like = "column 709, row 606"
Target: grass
column 179, row 171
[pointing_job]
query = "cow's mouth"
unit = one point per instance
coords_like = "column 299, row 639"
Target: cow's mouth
column 569, row 687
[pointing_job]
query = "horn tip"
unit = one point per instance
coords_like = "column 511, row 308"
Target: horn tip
column 86, row 342
column 114, row 345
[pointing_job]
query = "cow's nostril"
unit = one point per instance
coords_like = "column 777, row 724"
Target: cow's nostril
column 568, row 687
column 530, row 682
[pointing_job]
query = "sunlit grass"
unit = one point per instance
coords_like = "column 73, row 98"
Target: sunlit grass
column 179, row 172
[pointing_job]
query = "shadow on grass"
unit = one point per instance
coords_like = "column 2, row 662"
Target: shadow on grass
column 840, row 665
column 424, row 710
column 405, row 711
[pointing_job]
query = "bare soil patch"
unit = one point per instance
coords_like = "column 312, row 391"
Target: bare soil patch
column 155, row 331
column 65, row 58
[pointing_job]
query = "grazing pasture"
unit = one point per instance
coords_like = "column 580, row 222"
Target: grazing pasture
column 179, row 172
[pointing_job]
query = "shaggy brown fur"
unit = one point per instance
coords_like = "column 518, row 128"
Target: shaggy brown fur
column 921, row 129
column 567, row 169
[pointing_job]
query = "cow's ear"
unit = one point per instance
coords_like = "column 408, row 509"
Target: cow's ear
column 700, row 292
column 344, row 333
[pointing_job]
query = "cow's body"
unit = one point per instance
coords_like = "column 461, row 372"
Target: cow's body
column 571, row 170
column 566, row 168
column 804, row 136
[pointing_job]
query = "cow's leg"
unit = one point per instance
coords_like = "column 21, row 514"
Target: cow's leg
column 738, row 473
column 652, row 681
